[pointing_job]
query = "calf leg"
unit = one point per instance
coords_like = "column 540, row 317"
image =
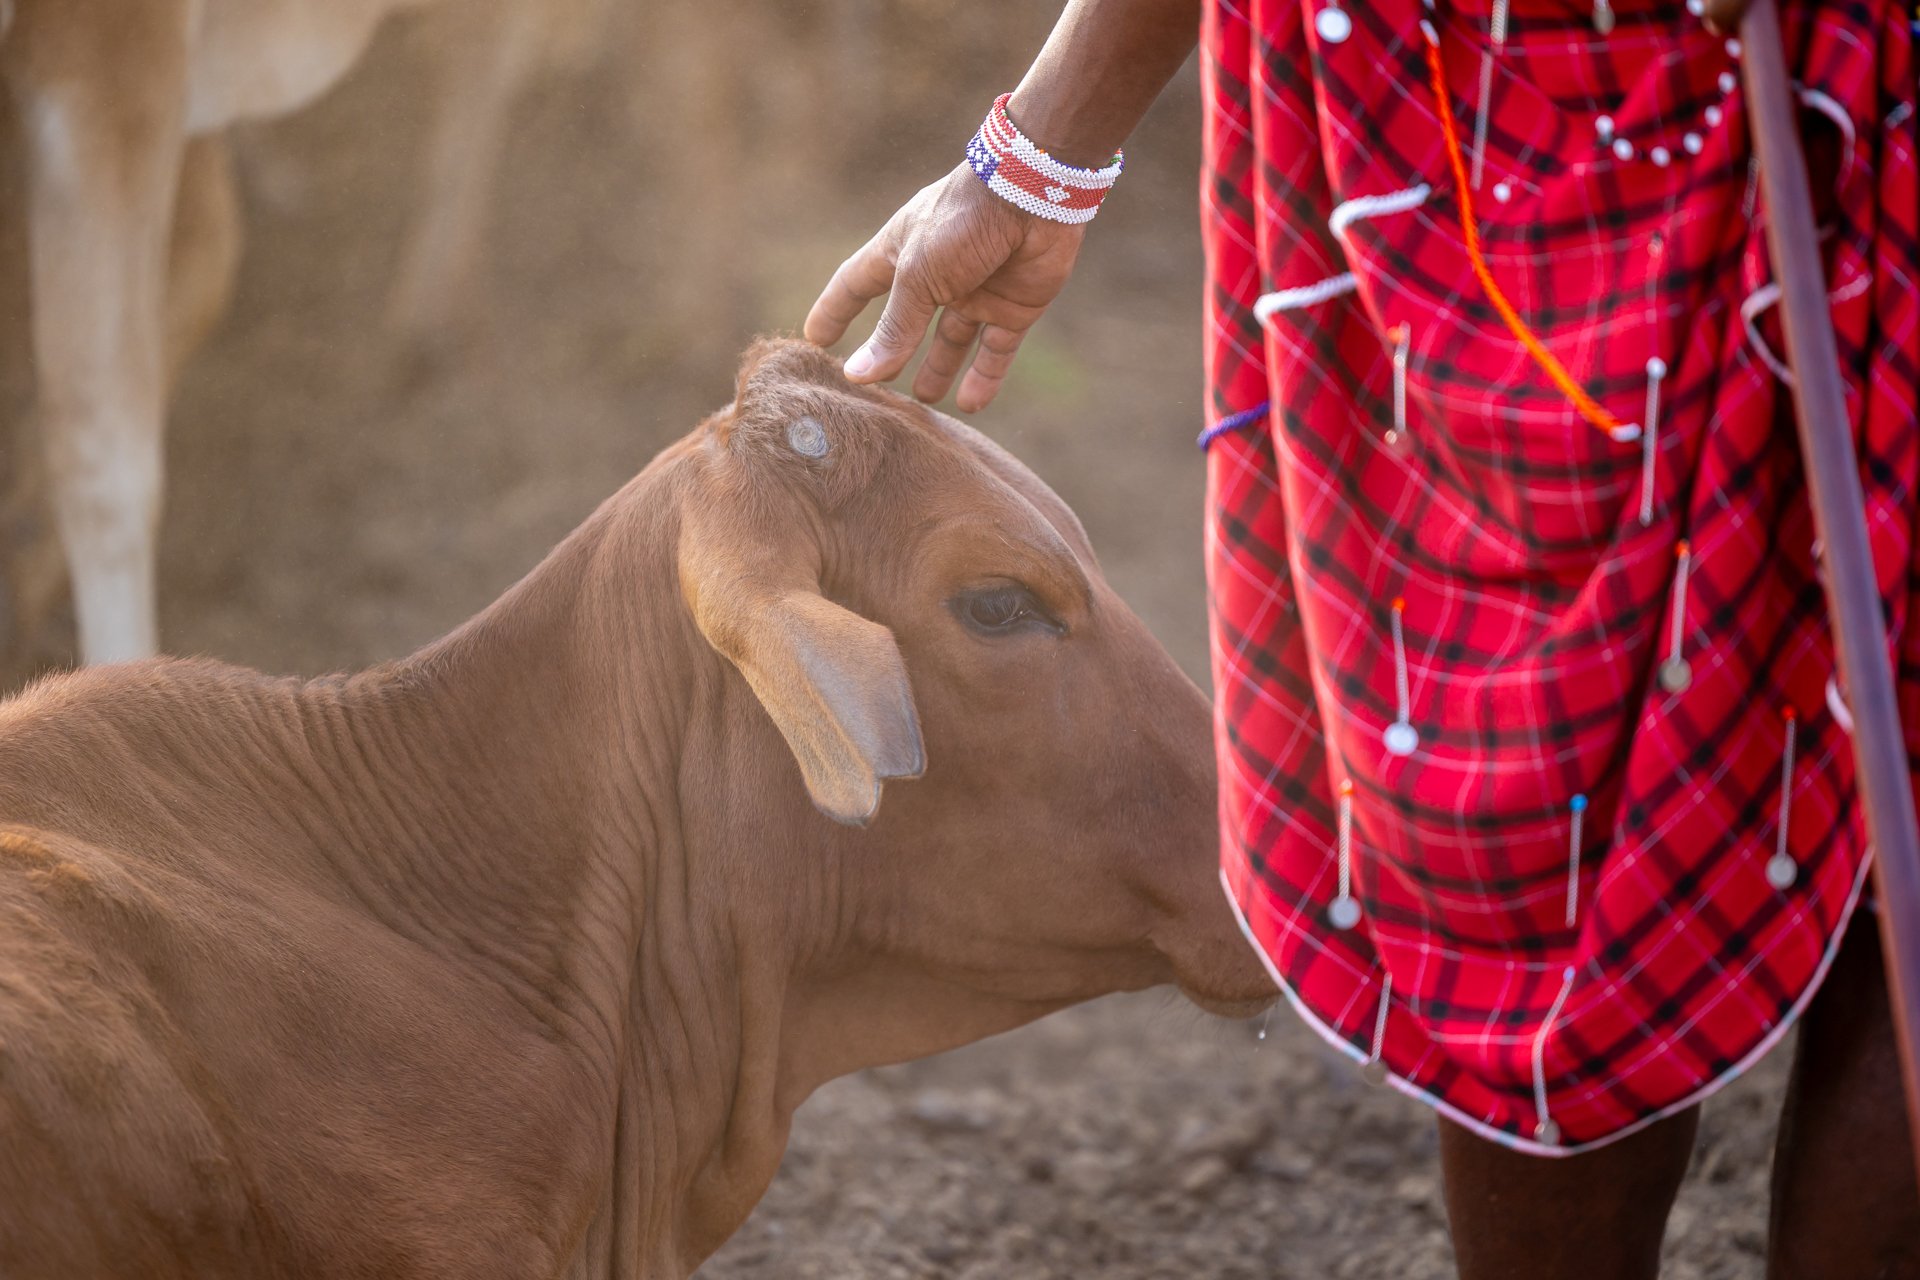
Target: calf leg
column 205, row 254
column 101, row 88
column 1845, row 1206
column 1596, row 1216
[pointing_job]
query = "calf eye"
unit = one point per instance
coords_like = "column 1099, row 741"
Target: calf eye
column 995, row 611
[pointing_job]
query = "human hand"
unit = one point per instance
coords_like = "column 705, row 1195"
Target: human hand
column 958, row 246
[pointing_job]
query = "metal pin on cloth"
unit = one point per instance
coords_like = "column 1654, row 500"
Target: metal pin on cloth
column 1650, row 437
column 1602, row 16
column 1579, row 807
column 1401, row 738
column 1345, row 912
column 1496, row 40
column 1675, row 673
column 1400, row 335
column 1332, row 23
column 1782, row 871
column 1374, row 1070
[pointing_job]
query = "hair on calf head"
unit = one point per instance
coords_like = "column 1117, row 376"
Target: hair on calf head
column 795, row 414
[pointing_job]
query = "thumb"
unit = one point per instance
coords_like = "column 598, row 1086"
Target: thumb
column 903, row 323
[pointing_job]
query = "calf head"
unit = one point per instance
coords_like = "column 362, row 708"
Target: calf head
column 909, row 605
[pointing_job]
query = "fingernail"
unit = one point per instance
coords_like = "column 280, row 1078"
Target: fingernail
column 860, row 363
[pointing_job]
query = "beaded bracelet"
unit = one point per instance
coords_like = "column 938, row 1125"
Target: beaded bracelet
column 1019, row 172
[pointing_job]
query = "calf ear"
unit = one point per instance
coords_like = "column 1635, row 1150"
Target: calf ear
column 833, row 682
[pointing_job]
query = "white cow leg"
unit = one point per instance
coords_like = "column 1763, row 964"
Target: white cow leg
column 101, row 110
column 107, row 506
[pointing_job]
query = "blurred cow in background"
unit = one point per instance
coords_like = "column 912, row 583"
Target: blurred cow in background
column 124, row 193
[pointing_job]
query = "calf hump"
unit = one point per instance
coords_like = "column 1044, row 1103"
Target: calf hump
column 69, row 874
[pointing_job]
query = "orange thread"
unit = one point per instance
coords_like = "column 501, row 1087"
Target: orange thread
column 1589, row 408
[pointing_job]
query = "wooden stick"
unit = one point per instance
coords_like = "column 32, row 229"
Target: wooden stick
column 1839, row 513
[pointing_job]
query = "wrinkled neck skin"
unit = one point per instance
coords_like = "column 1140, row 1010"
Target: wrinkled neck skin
column 597, row 820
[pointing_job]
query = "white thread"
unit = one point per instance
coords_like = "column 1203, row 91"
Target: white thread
column 1837, row 704
column 1676, row 628
column 1480, row 119
column 1348, row 212
column 1573, row 858
column 1786, row 788
column 1380, row 1018
column 1540, row 1052
column 1346, row 840
column 1656, row 370
column 1767, row 295
column 1402, row 336
column 1401, row 686
column 1833, row 111
column 1852, row 288
column 1497, row 32
column 1306, row 295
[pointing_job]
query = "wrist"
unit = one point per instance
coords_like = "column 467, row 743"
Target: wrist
column 1062, row 127
column 1022, row 172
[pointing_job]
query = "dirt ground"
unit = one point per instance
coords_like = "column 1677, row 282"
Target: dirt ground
column 333, row 502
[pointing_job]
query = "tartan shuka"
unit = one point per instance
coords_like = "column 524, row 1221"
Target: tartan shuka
column 1380, row 432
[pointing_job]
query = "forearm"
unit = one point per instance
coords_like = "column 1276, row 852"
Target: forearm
column 1102, row 67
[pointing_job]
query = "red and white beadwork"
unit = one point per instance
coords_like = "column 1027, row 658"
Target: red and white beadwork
column 1023, row 174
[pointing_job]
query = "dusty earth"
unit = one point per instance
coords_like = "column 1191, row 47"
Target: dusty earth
column 333, row 501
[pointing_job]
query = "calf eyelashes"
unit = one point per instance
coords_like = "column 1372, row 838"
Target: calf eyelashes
column 1002, row 610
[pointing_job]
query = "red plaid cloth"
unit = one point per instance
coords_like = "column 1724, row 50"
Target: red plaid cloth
column 1537, row 604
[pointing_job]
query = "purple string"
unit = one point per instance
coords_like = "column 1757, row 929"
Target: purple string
column 1233, row 422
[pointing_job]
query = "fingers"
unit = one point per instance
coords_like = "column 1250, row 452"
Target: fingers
column 990, row 366
column 903, row 323
column 952, row 343
column 860, row 279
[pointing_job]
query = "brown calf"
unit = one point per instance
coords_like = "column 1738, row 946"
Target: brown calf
column 514, row 958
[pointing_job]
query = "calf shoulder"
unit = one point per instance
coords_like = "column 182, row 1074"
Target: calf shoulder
column 112, row 1160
